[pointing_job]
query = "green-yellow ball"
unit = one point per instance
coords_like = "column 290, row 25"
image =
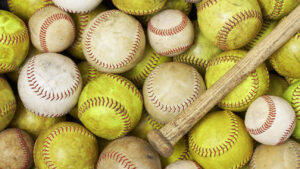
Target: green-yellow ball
column 139, row 7
column 14, row 41
column 110, row 106
column 88, row 72
column 220, row 141
column 291, row 80
column 277, row 85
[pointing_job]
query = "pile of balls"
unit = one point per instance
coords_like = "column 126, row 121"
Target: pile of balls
column 84, row 81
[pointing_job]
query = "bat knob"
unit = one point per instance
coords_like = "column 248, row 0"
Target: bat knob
column 160, row 143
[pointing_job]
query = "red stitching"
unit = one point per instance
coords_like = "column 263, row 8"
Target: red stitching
column 154, row 124
column 170, row 31
column 270, row 119
column 51, row 19
column 223, row 147
column 4, row 67
column 296, row 149
column 277, row 8
column 190, row 59
column 48, row 140
column 8, row 39
column 174, row 50
column 185, row 155
column 206, row 4
column 296, row 101
column 7, row 108
column 25, row 149
column 83, row 22
column 197, row 165
column 243, row 163
column 231, row 23
column 171, row 108
column 90, row 52
column 92, row 73
column 117, row 157
column 287, row 132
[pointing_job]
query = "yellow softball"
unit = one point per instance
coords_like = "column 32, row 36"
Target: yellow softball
column 277, row 85
column 7, row 103
column 140, row 72
column 255, row 85
column 227, row 143
column 66, row 145
column 88, row 72
column 25, row 8
column 139, row 7
column 14, row 41
column 291, row 80
column 110, row 106
column 81, row 21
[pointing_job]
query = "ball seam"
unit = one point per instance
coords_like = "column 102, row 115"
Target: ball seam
column 25, row 149
column 118, row 157
column 83, row 22
column 174, row 50
column 277, row 9
column 14, row 38
column 191, row 59
column 206, row 4
column 5, row 109
column 153, row 123
column 287, row 132
column 296, row 101
column 293, row 147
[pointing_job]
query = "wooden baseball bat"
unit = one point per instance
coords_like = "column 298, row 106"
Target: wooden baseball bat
column 164, row 139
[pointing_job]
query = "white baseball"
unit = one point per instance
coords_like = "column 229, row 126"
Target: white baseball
column 113, row 42
column 183, row 164
column 49, row 84
column 270, row 120
column 51, row 29
column 170, row 88
column 78, row 6
column 170, row 32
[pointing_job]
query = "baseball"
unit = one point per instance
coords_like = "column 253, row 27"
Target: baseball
column 7, row 104
column 139, row 7
column 170, row 32
column 227, row 143
column 229, row 25
column 170, row 88
column 283, row 156
column 136, row 154
column 51, row 81
column 65, row 145
column 78, row 6
column 110, row 106
column 46, row 32
column 113, row 42
column 270, row 120
column 16, row 148
column 14, row 41
column 183, row 164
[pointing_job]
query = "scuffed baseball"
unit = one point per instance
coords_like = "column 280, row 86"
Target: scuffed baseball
column 113, row 42
column 78, row 6
column 49, row 84
column 129, row 151
column 270, row 120
column 183, row 164
column 170, row 32
column 51, row 29
column 170, row 88
column 16, row 148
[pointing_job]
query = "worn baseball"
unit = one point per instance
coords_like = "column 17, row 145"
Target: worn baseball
column 51, row 81
column 183, row 164
column 78, row 6
column 275, row 9
column 66, row 145
column 283, row 156
column 229, row 25
column 14, row 41
column 139, row 7
column 227, row 143
column 46, row 32
column 25, row 8
column 255, row 85
column 110, row 106
column 169, row 89
column 277, row 85
column 270, row 120
column 129, row 152
column 7, row 104
column 16, row 148
column 170, row 32
column 113, row 42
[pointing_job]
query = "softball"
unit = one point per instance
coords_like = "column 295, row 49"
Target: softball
column 139, row 7
column 226, row 145
column 223, row 22
column 291, row 80
column 78, row 6
column 170, row 88
column 183, row 164
column 292, row 95
column 7, row 104
column 51, row 81
column 113, row 42
column 46, row 32
column 137, row 154
column 110, row 106
column 277, row 85
column 16, row 148
column 87, row 72
column 141, row 71
column 255, row 85
column 170, row 32
column 14, row 41
column 66, row 145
